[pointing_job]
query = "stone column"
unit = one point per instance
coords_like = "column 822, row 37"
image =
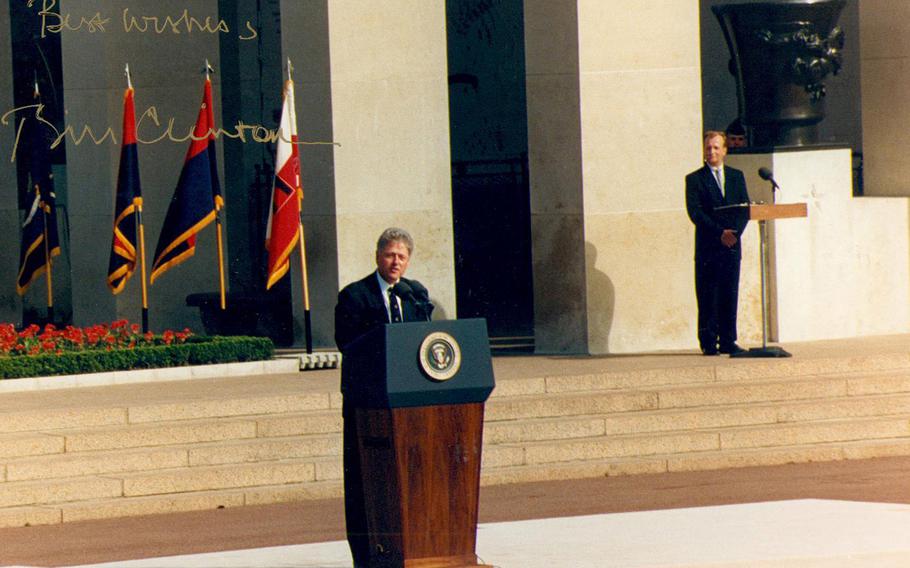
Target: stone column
column 614, row 112
column 372, row 80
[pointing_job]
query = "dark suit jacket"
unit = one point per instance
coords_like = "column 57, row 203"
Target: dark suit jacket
column 702, row 197
column 361, row 307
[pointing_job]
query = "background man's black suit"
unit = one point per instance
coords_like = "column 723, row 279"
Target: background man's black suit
column 716, row 265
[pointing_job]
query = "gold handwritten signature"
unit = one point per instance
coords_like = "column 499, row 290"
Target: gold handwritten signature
column 241, row 131
column 55, row 23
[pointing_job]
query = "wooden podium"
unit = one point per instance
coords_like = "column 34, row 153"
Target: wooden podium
column 417, row 391
column 764, row 212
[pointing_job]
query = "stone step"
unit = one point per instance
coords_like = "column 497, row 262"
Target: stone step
column 606, row 402
column 30, row 444
column 321, row 450
column 158, row 434
column 696, row 461
column 175, row 400
column 815, row 432
column 603, row 381
column 228, row 408
column 753, row 392
column 560, row 378
column 300, row 424
column 189, row 501
column 685, row 441
column 265, row 449
column 93, row 463
column 42, row 420
column 50, row 491
column 727, row 416
column 29, row 516
column 204, row 478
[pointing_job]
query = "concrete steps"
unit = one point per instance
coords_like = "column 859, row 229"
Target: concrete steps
column 100, row 452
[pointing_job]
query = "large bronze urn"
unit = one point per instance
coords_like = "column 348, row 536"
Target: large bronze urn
column 781, row 52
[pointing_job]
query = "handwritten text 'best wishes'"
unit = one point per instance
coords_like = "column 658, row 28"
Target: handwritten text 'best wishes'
column 53, row 22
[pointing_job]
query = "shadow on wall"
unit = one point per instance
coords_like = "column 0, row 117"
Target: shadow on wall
column 601, row 303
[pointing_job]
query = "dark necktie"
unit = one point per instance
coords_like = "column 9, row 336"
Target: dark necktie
column 394, row 310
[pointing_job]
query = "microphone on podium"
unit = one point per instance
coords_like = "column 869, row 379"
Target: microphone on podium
column 421, row 298
column 766, row 175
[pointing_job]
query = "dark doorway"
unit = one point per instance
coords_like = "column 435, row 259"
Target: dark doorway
column 37, row 61
column 490, row 190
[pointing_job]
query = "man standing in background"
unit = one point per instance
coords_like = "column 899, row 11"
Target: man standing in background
column 710, row 192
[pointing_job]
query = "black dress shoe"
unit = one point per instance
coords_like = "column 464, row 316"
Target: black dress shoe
column 731, row 349
column 709, row 351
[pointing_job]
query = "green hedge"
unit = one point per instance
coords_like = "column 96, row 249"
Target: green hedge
column 198, row 350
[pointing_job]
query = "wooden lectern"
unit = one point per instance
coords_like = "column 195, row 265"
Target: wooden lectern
column 764, row 212
column 417, row 391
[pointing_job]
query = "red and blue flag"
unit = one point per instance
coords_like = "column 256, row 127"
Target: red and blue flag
column 128, row 203
column 197, row 198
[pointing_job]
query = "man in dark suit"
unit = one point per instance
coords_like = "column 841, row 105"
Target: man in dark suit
column 368, row 303
column 718, row 249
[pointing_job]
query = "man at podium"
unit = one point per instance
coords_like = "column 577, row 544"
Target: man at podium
column 717, row 203
column 382, row 297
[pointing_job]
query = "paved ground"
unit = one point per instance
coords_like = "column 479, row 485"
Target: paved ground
column 807, row 533
column 880, row 480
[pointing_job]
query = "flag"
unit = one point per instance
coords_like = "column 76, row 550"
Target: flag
column 40, row 241
column 128, row 202
column 282, row 232
column 197, row 198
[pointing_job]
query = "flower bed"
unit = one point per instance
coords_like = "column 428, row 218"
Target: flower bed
column 120, row 346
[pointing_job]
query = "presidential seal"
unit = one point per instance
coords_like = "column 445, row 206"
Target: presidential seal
column 440, row 356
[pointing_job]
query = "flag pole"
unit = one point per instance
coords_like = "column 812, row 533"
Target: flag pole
column 50, row 279
column 307, row 321
column 145, row 298
column 308, row 328
column 141, row 230
column 218, row 231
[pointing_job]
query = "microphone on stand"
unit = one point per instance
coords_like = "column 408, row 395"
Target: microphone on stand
column 766, row 175
column 420, row 297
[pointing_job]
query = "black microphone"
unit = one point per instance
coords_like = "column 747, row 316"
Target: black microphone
column 403, row 290
column 766, row 175
column 421, row 298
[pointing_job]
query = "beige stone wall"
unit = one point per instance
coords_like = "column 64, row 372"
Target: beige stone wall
column 390, row 119
column 554, row 158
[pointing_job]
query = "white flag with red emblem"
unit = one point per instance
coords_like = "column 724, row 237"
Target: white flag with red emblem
column 283, row 231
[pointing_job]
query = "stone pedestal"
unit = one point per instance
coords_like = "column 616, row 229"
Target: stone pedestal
column 843, row 270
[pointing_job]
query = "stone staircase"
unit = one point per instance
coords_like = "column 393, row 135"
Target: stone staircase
column 133, row 449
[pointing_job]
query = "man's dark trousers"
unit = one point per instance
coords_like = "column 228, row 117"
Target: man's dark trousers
column 717, row 291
